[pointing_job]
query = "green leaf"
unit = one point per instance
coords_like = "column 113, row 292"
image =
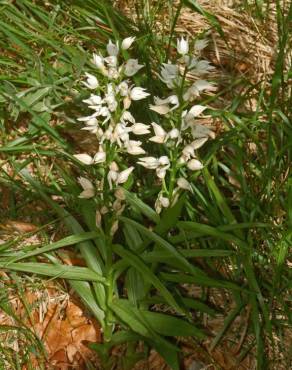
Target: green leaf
column 68, row 241
column 172, row 326
column 56, row 271
column 206, row 230
column 164, row 244
column 170, row 216
column 148, row 275
column 137, row 203
column 201, row 280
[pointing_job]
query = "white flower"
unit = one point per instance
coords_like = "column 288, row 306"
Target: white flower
column 91, row 81
column 99, row 157
column 169, row 74
column 182, row 46
column 164, row 161
column 84, row 158
column 188, row 152
column 121, row 132
column 111, row 61
column 202, row 67
column 113, row 73
column 93, row 126
column 194, row 165
column 196, row 144
column 198, row 87
column 149, row 162
column 112, row 49
column 161, row 202
column 124, row 175
column 127, row 42
column 162, row 105
column 184, row 184
column 132, row 67
column 160, row 134
column 174, row 134
column 140, row 129
column 138, row 93
column 88, row 188
column 160, row 109
column 93, row 100
column 98, row 61
column 134, row 147
column 189, row 117
column 164, row 165
column 127, row 116
column 200, row 44
column 87, row 118
column 200, row 131
column 112, row 177
column 195, row 111
column 123, row 88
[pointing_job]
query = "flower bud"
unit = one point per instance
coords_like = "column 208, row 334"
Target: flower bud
column 182, row 46
column 195, row 165
column 127, row 42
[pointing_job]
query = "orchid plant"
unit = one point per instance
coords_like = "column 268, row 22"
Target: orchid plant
column 123, row 142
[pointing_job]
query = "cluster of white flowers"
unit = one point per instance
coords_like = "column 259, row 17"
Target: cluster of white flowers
column 178, row 133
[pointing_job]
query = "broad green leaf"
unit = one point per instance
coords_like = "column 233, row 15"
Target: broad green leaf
column 164, row 244
column 206, row 230
column 135, row 285
column 170, row 216
column 136, row 321
column 162, row 255
column 141, row 206
column 201, row 280
column 172, row 326
column 56, row 271
column 68, row 241
column 82, row 288
column 149, row 276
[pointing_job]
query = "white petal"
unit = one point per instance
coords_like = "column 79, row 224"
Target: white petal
column 182, row 46
column 200, row 131
column 157, row 139
column 184, row 184
column 174, row 133
column 84, row 158
column 194, row 165
column 149, row 162
column 85, row 183
column 159, row 131
column 112, row 49
column 138, row 93
column 164, row 202
column 86, row 194
column 132, row 67
column 160, row 109
column 196, row 110
column 124, row 175
column 161, row 172
column 196, row 144
column 164, row 160
column 99, row 157
column 98, row 61
column 201, row 44
column 127, row 42
column 140, row 129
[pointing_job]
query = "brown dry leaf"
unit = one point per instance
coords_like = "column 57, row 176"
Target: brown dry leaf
column 60, row 323
column 21, row 227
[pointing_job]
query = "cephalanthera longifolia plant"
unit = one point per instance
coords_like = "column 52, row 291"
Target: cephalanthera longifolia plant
column 139, row 166
column 167, row 148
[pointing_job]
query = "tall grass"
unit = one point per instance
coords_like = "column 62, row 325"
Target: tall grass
column 232, row 234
